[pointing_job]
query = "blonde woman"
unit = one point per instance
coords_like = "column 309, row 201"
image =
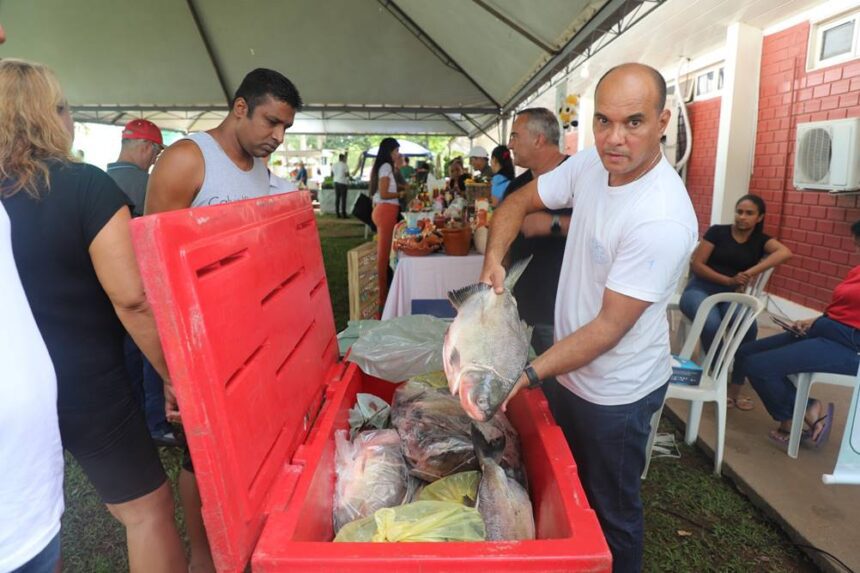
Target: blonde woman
column 72, row 247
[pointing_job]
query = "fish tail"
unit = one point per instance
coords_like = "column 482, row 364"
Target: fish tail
column 516, row 271
column 487, row 450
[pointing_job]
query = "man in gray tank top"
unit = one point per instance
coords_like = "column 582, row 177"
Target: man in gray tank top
column 224, row 164
column 220, row 166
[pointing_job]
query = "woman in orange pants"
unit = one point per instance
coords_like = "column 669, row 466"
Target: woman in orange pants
column 386, row 207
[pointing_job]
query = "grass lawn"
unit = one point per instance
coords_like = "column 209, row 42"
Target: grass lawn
column 693, row 520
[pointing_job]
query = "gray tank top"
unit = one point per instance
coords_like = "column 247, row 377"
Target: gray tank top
column 223, row 181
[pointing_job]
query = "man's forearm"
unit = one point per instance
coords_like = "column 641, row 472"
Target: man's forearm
column 579, row 349
column 504, row 227
column 540, row 225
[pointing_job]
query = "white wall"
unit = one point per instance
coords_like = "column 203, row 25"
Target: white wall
column 738, row 120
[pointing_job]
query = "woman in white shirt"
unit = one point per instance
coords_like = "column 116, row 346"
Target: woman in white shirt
column 386, row 208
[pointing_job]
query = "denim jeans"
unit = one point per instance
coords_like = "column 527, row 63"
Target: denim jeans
column 694, row 294
column 608, row 444
column 148, row 388
column 46, row 561
column 828, row 346
column 340, row 191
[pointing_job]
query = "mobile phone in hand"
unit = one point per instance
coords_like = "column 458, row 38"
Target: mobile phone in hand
column 785, row 325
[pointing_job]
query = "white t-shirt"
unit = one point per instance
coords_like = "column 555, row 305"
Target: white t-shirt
column 340, row 173
column 634, row 239
column 386, row 171
column 31, row 454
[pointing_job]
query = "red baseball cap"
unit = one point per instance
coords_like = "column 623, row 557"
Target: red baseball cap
column 142, row 129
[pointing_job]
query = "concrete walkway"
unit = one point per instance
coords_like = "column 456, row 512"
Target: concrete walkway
column 789, row 490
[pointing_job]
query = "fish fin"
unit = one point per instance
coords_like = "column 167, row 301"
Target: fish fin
column 487, row 450
column 459, row 296
column 451, row 363
column 454, row 386
column 528, row 332
column 516, row 271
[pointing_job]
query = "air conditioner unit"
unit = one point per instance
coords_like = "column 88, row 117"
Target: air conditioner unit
column 827, row 155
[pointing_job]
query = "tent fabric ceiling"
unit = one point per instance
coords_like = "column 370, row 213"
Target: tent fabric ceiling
column 380, row 66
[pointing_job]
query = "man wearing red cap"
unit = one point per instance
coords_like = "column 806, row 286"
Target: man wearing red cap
column 141, row 145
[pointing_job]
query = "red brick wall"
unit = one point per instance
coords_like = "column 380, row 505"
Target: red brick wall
column 814, row 225
column 705, row 125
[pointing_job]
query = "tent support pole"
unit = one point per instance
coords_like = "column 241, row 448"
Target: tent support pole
column 516, row 27
column 207, row 43
column 505, row 121
column 425, row 39
column 455, row 124
column 195, row 120
column 479, row 128
column 612, row 20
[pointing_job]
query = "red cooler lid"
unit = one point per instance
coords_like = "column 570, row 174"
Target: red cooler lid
column 243, row 310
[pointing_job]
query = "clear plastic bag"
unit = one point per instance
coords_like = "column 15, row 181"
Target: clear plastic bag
column 419, row 521
column 400, row 348
column 437, row 434
column 370, row 413
column 371, row 474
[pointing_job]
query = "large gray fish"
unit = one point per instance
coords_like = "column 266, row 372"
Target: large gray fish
column 502, row 502
column 487, row 345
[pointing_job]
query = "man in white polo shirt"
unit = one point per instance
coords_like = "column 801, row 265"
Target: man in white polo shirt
column 631, row 233
column 340, row 176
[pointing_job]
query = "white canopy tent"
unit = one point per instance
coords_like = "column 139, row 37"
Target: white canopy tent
column 407, row 149
column 452, row 67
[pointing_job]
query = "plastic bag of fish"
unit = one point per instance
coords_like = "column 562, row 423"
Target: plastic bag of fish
column 371, row 474
column 459, row 488
column 436, row 434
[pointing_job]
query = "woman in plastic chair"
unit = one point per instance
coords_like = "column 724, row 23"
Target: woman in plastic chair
column 726, row 260
column 829, row 343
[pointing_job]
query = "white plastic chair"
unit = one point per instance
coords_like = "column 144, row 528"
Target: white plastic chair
column 847, row 470
column 742, row 312
column 755, row 288
column 804, row 382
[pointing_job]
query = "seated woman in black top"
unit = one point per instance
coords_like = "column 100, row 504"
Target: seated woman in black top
column 72, row 246
column 727, row 259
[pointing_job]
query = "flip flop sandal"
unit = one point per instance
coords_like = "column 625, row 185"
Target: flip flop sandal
column 827, row 419
column 744, row 404
column 784, row 436
column 779, row 437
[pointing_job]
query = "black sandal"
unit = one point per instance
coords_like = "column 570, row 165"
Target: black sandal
column 827, row 419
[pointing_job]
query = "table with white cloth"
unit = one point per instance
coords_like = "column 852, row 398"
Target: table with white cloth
column 421, row 284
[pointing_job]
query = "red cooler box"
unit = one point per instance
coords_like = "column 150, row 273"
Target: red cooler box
column 243, row 309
